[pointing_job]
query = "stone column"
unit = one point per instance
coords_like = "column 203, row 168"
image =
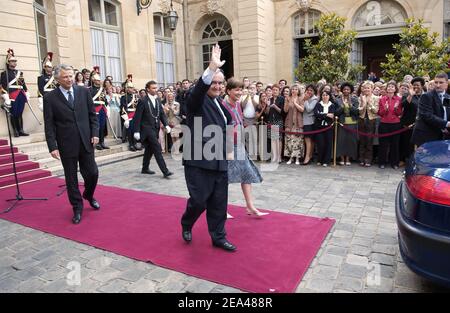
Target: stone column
column 256, row 39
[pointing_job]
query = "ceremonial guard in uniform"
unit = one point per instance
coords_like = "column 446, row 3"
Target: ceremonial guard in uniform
column 128, row 103
column 46, row 82
column 14, row 93
column 99, row 97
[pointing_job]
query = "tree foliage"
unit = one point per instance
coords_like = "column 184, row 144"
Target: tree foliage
column 418, row 53
column 329, row 58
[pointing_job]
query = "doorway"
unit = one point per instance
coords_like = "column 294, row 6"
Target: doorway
column 374, row 51
column 227, row 55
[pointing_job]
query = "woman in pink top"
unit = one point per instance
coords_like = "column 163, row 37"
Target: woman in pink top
column 390, row 111
column 240, row 168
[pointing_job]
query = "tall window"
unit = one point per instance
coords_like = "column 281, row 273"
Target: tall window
column 304, row 24
column 304, row 27
column 357, row 55
column 165, row 67
column 447, row 30
column 447, row 19
column 216, row 31
column 106, row 38
column 40, row 15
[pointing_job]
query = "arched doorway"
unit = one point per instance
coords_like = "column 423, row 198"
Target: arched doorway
column 218, row 31
column 378, row 24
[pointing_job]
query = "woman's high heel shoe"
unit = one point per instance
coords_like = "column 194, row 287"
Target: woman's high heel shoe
column 256, row 212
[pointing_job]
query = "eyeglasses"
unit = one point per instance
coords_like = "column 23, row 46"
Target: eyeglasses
column 215, row 82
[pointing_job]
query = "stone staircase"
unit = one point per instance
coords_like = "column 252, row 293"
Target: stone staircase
column 35, row 147
column 27, row 170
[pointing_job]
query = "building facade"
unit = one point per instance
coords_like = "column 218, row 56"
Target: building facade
column 260, row 39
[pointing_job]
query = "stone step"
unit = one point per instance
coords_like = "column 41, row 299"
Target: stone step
column 7, row 159
column 39, row 155
column 50, row 162
column 35, row 137
column 9, row 180
column 22, row 166
column 57, row 169
column 6, row 150
column 27, row 182
column 28, row 148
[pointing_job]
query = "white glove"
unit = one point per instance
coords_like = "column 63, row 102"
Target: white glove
column 126, row 124
column 108, row 111
column 41, row 103
column 28, row 96
column 137, row 136
column 168, row 129
column 6, row 99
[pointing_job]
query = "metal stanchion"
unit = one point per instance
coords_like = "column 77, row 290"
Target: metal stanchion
column 336, row 123
column 166, row 140
column 260, row 140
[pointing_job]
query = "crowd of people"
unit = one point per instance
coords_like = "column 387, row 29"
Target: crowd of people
column 295, row 114
column 299, row 118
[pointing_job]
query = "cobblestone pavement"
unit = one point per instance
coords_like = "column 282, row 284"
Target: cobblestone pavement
column 359, row 255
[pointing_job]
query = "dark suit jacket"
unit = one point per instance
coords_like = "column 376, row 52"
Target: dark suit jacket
column 64, row 125
column 430, row 120
column 42, row 81
column 11, row 75
column 354, row 111
column 409, row 110
column 144, row 122
column 322, row 120
column 199, row 104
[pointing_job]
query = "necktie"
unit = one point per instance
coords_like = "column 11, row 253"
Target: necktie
column 441, row 96
column 70, row 99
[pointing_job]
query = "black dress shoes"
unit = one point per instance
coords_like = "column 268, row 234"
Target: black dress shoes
column 132, row 148
column 22, row 133
column 93, row 203
column 187, row 235
column 147, row 172
column 166, row 175
column 98, row 147
column 76, row 218
column 225, row 245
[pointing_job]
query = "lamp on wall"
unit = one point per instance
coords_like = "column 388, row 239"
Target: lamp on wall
column 172, row 17
column 142, row 4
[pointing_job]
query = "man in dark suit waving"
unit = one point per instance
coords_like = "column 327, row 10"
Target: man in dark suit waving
column 149, row 115
column 433, row 116
column 71, row 131
column 206, row 173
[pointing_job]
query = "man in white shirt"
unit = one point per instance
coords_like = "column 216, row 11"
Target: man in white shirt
column 207, row 176
column 71, row 132
column 432, row 119
column 149, row 115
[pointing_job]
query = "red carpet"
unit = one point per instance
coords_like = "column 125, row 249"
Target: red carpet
column 273, row 252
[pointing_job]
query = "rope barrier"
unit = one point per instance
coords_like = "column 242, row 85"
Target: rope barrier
column 397, row 132
column 304, row 133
